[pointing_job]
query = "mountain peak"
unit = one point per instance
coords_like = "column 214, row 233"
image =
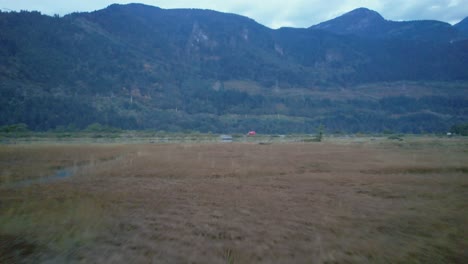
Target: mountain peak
column 462, row 28
column 463, row 23
column 363, row 13
column 360, row 21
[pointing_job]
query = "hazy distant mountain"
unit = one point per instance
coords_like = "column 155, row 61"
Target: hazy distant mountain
column 138, row 66
column 368, row 23
column 462, row 27
column 361, row 21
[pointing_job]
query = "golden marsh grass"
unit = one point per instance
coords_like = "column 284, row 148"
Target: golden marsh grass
column 337, row 201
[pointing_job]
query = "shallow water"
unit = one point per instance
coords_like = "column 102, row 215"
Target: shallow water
column 60, row 174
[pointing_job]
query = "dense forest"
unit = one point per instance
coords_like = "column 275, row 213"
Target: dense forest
column 141, row 67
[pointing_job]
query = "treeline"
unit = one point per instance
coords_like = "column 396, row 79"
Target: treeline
column 96, row 128
column 199, row 107
column 93, row 128
column 460, row 129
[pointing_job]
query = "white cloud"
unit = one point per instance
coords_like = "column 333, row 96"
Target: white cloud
column 273, row 13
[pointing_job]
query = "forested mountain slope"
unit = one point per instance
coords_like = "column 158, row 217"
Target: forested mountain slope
column 137, row 67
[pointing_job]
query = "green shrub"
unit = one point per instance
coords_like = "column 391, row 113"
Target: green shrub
column 15, row 128
column 395, row 137
column 460, row 129
column 96, row 127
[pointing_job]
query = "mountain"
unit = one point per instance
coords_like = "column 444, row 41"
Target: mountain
column 141, row 67
column 368, row 23
column 462, row 27
column 361, row 21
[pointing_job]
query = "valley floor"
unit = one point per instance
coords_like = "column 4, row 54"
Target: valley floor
column 342, row 200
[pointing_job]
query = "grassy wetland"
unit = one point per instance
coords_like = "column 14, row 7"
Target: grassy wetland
column 342, row 200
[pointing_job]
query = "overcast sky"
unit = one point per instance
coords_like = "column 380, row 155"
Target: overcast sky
column 272, row 13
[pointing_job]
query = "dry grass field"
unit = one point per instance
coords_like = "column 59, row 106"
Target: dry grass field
column 338, row 201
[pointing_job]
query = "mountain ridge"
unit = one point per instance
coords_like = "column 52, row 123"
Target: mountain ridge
column 360, row 21
column 368, row 23
column 137, row 67
column 354, row 22
column 462, row 27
